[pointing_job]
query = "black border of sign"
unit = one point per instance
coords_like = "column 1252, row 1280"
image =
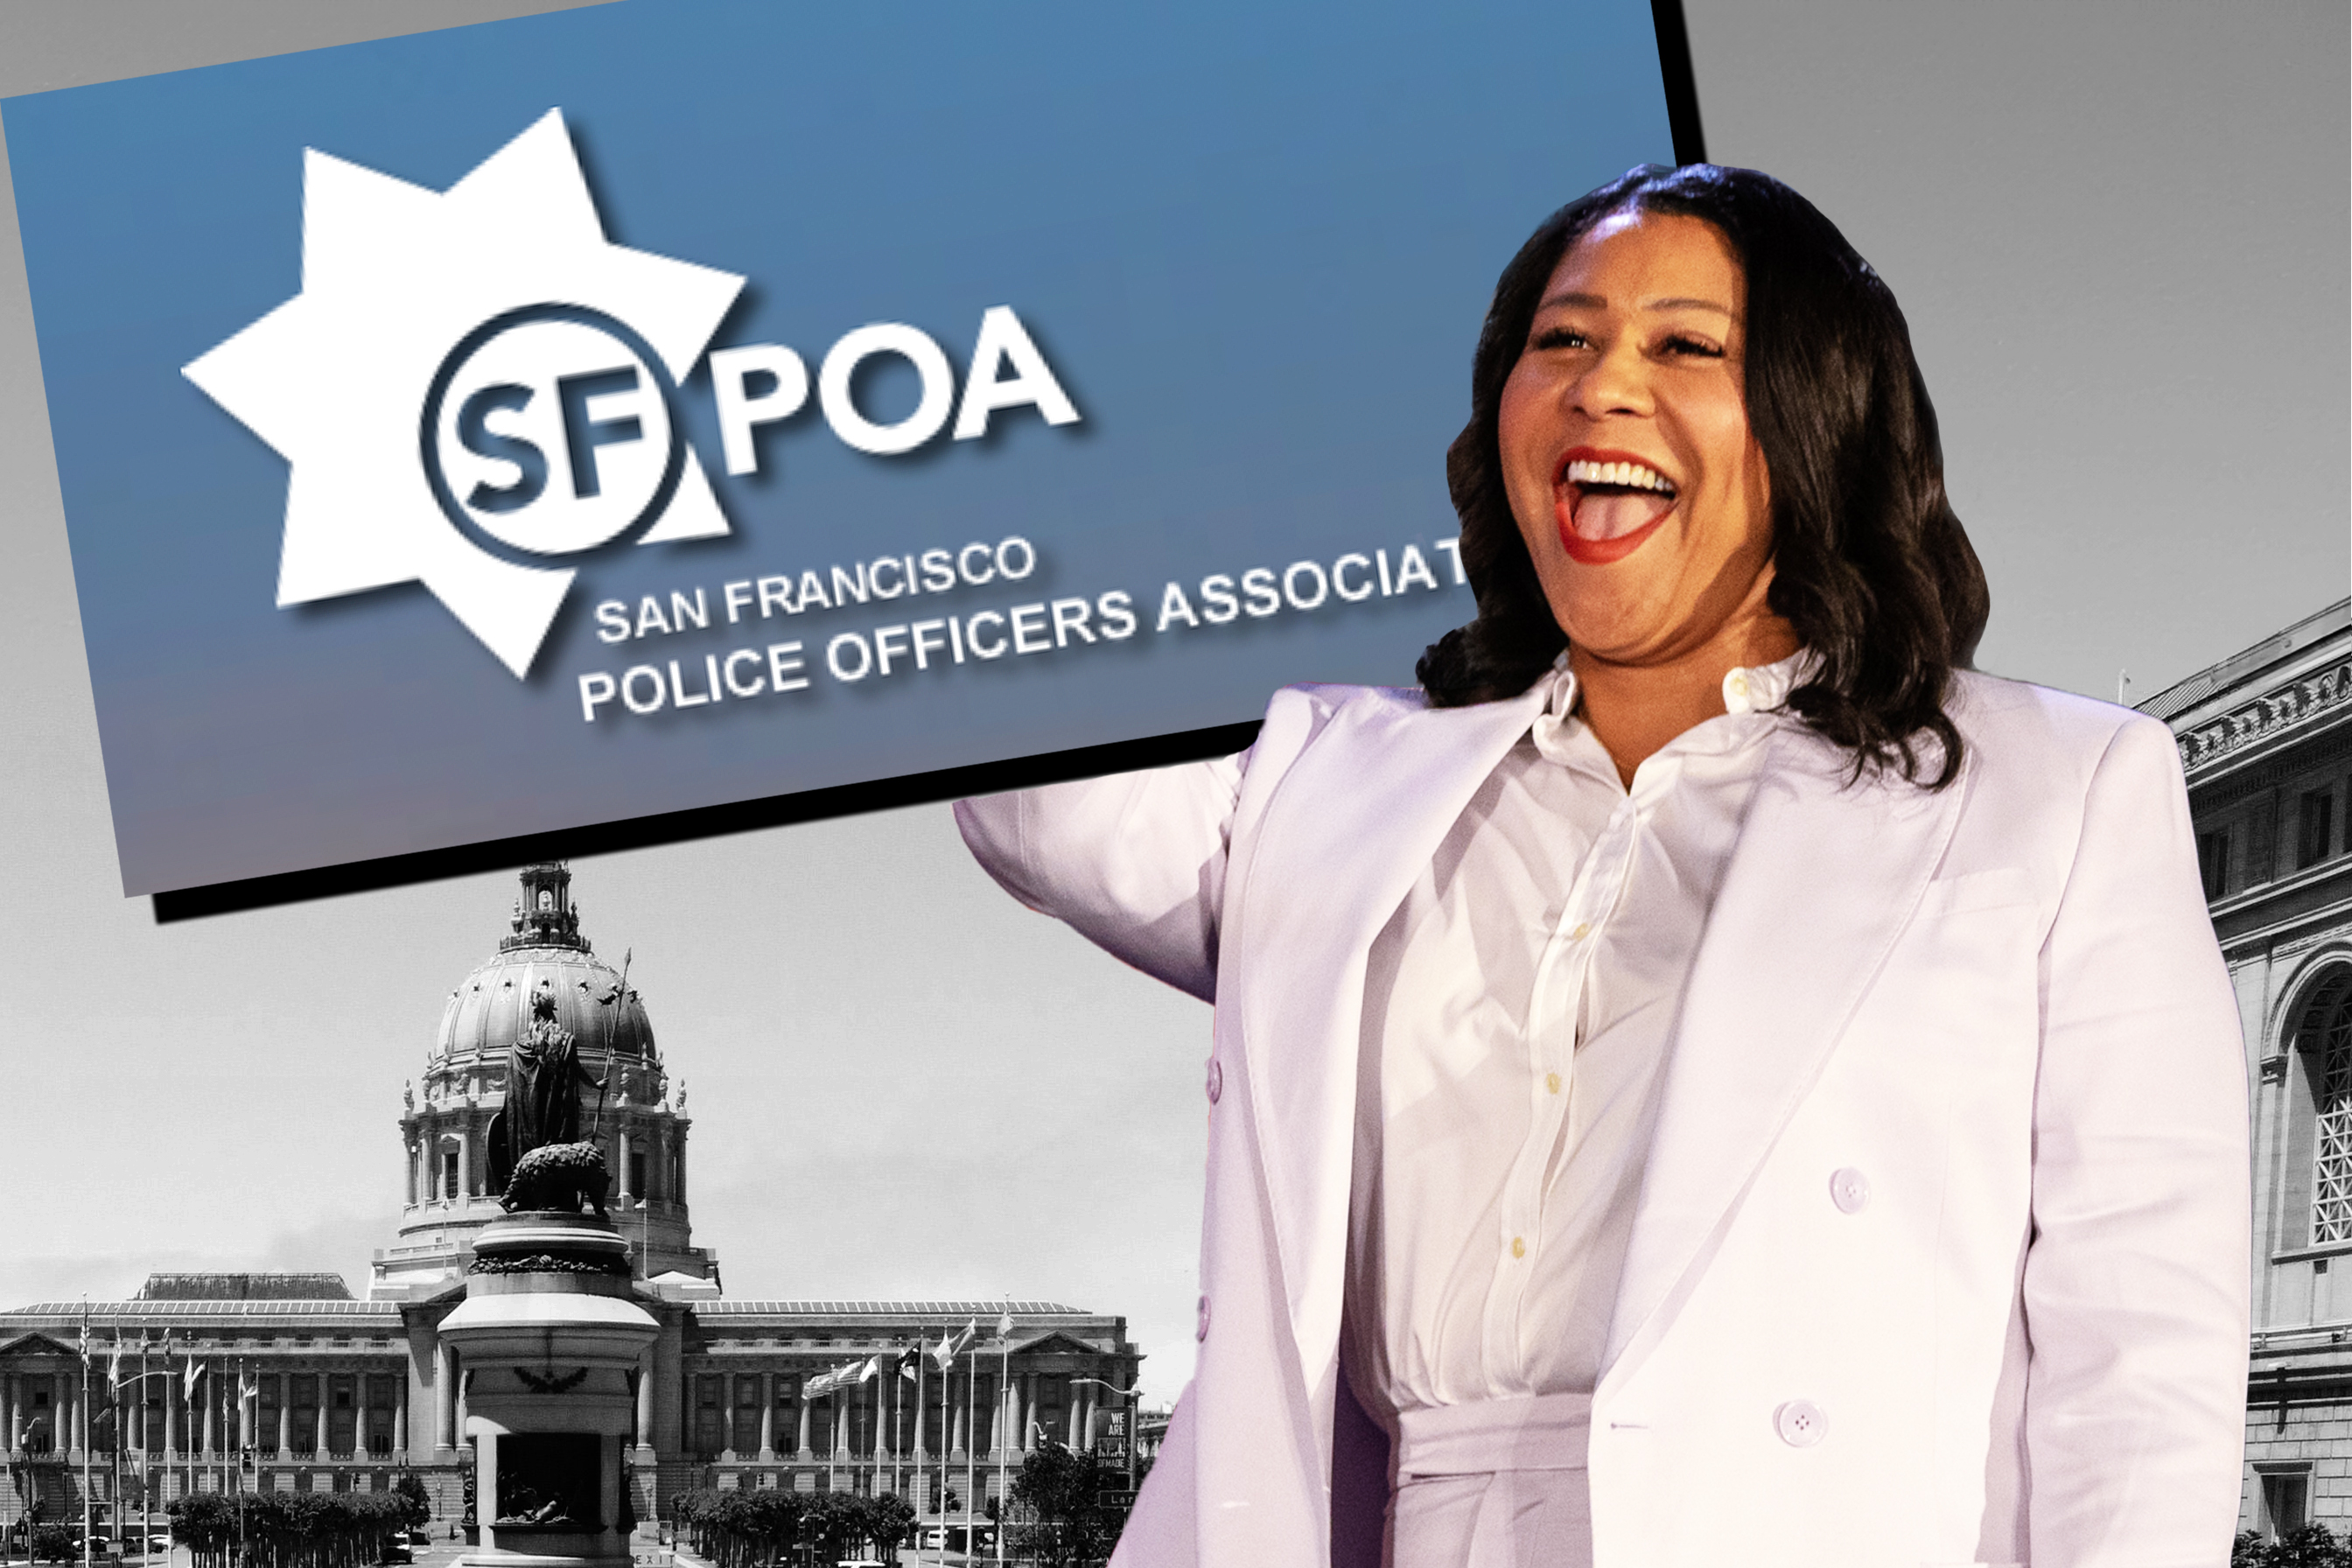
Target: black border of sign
column 841, row 800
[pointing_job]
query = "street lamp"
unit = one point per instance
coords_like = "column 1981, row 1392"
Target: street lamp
column 1134, row 1409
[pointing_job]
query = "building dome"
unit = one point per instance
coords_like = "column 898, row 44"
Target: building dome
column 490, row 1010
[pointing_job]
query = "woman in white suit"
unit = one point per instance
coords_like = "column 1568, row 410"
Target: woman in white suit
column 1706, row 1079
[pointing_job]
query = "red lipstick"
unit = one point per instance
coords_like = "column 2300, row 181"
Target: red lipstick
column 1597, row 552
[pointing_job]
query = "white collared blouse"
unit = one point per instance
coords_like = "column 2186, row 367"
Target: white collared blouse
column 1517, row 1008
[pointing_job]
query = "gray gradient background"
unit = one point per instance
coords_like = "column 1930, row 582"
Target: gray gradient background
column 2120, row 232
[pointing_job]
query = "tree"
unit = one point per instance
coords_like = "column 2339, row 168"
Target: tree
column 54, row 1543
column 2313, row 1546
column 411, row 1487
column 889, row 1521
column 1061, row 1490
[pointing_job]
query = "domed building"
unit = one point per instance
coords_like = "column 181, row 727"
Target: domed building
column 446, row 1133
column 300, row 1387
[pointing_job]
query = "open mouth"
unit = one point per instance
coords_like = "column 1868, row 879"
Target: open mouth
column 1607, row 504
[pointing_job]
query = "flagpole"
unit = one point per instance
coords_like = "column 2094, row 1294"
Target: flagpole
column 85, row 1445
column 1003, row 1387
column 971, row 1440
column 947, row 1425
column 147, row 1465
column 188, row 1398
column 915, row 1452
column 939, row 1492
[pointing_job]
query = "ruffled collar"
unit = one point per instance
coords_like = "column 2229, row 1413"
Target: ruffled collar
column 1748, row 690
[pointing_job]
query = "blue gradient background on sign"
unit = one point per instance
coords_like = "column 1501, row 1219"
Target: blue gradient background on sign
column 1256, row 248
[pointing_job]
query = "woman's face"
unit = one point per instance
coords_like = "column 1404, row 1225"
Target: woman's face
column 1626, row 453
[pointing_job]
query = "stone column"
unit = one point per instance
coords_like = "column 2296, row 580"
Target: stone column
column 360, row 1411
column 285, row 1415
column 802, row 1450
column 212, row 1416
column 644, row 1433
column 958, row 1401
column 444, row 1395
column 621, row 1160
column 841, row 1423
column 171, row 1412
column 727, row 1414
column 767, row 1416
column 325, row 1394
column 245, row 1408
column 1028, row 1411
column 400, row 1414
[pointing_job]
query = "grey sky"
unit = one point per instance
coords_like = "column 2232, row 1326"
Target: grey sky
column 2120, row 232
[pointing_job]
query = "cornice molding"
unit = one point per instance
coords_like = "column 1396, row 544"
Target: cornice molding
column 2300, row 703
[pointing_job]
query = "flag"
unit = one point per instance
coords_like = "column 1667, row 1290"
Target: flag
column 954, row 1345
column 188, row 1378
column 114, row 1368
column 1005, row 1325
column 843, row 1376
column 249, row 1388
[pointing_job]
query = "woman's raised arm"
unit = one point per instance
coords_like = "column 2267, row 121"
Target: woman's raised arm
column 1134, row 862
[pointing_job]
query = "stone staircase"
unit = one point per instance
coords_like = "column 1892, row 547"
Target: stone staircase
column 46, row 1487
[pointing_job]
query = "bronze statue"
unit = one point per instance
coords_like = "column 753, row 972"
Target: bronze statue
column 542, row 1104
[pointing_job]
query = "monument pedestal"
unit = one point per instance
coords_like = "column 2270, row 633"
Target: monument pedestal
column 550, row 1338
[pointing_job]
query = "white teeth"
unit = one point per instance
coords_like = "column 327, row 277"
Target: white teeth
column 1636, row 476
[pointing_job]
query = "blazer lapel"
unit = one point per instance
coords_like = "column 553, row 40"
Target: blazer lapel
column 1360, row 813
column 1824, row 877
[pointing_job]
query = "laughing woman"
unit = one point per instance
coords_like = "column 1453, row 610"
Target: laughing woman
column 1706, row 1077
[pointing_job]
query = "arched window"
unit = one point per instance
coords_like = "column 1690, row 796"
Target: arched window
column 2325, row 1045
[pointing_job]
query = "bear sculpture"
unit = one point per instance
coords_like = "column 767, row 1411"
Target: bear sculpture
column 558, row 1176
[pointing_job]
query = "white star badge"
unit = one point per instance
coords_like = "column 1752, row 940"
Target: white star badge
column 472, row 382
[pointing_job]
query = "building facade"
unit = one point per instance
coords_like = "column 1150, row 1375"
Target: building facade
column 2265, row 739
column 289, row 1383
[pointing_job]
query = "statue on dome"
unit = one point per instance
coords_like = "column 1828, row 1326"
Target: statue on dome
column 543, row 1081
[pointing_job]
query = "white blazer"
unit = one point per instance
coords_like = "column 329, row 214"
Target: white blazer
column 2001, row 1003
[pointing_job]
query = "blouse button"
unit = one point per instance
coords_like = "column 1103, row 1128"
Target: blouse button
column 1801, row 1422
column 1850, row 1190
column 1216, row 1080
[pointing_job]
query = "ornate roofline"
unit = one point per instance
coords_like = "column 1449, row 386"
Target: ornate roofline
column 2254, row 701
column 2296, row 705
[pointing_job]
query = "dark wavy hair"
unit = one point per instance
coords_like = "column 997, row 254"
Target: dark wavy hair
column 1871, row 565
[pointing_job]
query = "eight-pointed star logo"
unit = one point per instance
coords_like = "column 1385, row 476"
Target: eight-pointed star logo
column 472, row 385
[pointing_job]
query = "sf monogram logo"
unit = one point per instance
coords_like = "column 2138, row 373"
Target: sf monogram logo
column 544, row 361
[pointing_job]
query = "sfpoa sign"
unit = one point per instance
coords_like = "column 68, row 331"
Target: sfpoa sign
column 703, row 403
